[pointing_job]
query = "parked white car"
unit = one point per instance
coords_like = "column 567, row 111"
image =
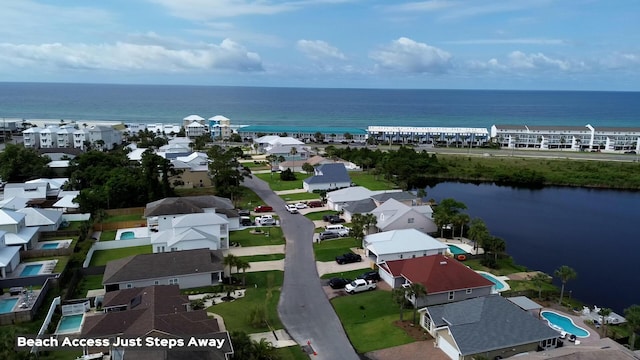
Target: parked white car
column 301, row 205
column 292, row 208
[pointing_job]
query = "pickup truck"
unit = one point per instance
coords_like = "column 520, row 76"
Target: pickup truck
column 359, row 285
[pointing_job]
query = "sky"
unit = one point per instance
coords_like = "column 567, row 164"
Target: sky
column 433, row 44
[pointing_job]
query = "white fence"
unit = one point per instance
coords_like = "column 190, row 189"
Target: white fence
column 47, row 321
column 75, row 309
column 115, row 244
column 76, row 217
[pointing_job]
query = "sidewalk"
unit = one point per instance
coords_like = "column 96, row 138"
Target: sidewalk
column 255, row 250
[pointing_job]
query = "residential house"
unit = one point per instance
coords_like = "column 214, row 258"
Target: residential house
column 446, row 280
column 33, row 192
column 404, row 197
column 65, row 201
column 338, row 198
column 13, row 203
column 205, row 230
column 401, row 244
column 196, row 128
column 17, row 233
column 187, row 269
column 49, row 137
column 195, row 170
column 153, row 311
column 9, row 256
column 64, row 136
column 488, row 326
column 269, row 144
column 327, row 177
column 526, row 304
column 43, row 219
column 296, row 166
column 351, row 208
column 191, row 205
column 394, row 215
column 103, row 137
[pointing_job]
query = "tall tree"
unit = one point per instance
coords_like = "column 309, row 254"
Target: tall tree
column 445, row 212
column 565, row 273
column 478, row 232
column 293, row 152
column 398, row 296
column 226, row 172
column 539, row 279
column 632, row 314
column 230, row 260
column 20, row 164
column 415, row 291
column 604, row 312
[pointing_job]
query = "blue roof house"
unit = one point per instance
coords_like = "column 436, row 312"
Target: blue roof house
column 327, row 177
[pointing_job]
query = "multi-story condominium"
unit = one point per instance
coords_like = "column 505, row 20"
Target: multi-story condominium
column 103, row 137
column 220, row 127
column 31, row 137
column 65, row 136
column 576, row 138
column 49, row 137
column 442, row 136
column 305, row 134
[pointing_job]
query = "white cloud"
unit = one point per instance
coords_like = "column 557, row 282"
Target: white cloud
column 123, row 56
column 621, row 61
column 407, row 55
column 319, row 50
column 518, row 61
column 461, row 9
column 520, row 41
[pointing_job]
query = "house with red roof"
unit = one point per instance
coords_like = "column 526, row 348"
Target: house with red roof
column 446, row 280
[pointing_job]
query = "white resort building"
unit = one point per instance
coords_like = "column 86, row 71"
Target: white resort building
column 443, row 136
column 576, row 138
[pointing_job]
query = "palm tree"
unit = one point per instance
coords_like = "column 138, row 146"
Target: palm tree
column 477, row 232
column 243, row 265
column 461, row 220
column 565, row 273
column 414, row 291
column 604, row 312
column 632, row 314
column 399, row 298
column 539, row 279
column 293, row 152
column 231, row 261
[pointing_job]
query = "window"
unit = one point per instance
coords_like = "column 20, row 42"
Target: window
column 173, row 281
column 174, row 249
column 451, row 295
column 129, row 286
column 156, row 282
column 469, row 291
column 411, row 220
column 160, row 249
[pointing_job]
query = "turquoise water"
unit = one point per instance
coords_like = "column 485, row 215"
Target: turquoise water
column 49, row 246
column 70, row 324
column 564, row 323
column 498, row 283
column 126, row 235
column 456, row 250
column 30, row 270
column 6, row 305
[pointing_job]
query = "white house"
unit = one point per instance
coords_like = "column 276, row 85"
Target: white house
column 43, row 219
column 9, row 256
column 394, row 215
column 16, row 231
column 195, row 129
column 190, row 231
column 13, row 203
column 337, row 198
column 327, row 177
column 401, row 244
column 103, row 137
column 220, row 126
column 31, row 137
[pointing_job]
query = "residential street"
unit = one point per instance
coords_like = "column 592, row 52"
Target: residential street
column 304, row 308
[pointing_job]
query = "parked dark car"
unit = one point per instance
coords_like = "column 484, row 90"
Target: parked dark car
column 246, row 221
column 337, row 220
column 244, row 212
column 326, row 235
column 348, row 258
column 370, row 276
column 263, row 208
column 338, row 283
column 315, row 203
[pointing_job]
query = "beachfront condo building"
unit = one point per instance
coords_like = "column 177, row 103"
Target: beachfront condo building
column 437, row 136
column 577, row 138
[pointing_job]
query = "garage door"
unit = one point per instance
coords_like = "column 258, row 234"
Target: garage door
column 448, row 348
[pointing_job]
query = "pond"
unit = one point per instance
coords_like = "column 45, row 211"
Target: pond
column 590, row 230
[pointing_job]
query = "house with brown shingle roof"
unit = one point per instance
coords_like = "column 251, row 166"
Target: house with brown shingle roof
column 446, row 280
column 187, row 269
column 152, row 311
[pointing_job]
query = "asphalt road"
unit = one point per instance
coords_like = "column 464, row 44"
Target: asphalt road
column 304, row 308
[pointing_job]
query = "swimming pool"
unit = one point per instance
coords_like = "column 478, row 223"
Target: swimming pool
column 70, row 324
column 49, row 246
column 126, row 235
column 30, row 270
column 557, row 321
column 6, row 305
column 456, row 250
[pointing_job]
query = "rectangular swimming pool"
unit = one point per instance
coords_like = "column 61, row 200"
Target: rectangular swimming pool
column 31, row 270
column 49, row 246
column 70, row 324
column 6, row 305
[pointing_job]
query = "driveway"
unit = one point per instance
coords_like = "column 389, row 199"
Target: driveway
column 304, row 308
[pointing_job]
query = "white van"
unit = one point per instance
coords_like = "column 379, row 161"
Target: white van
column 334, row 227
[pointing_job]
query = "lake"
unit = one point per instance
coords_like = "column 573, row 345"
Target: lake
column 593, row 231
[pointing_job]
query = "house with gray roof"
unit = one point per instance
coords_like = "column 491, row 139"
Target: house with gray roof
column 400, row 244
column 405, row 197
column 395, row 215
column 17, row 231
column 351, row 208
column 187, row 269
column 489, row 326
column 9, row 257
column 190, row 231
column 43, row 219
column 327, row 177
column 173, row 206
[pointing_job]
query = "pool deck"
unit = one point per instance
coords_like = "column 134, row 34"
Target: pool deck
column 463, row 243
column 138, row 232
column 25, row 300
column 593, row 337
column 47, row 268
column 61, row 244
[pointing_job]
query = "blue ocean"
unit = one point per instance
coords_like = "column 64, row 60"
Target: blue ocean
column 312, row 106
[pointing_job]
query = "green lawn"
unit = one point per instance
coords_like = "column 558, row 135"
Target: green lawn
column 318, row 215
column 300, row 196
column 101, row 257
column 273, row 179
column 248, row 199
column 506, row 266
column 345, row 274
column 267, row 293
column 369, row 181
column 60, row 265
column 329, row 249
column 368, row 320
column 291, row 353
column 74, row 225
column 266, row 257
column 108, row 235
column 88, row 282
column 116, row 218
column 245, row 238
